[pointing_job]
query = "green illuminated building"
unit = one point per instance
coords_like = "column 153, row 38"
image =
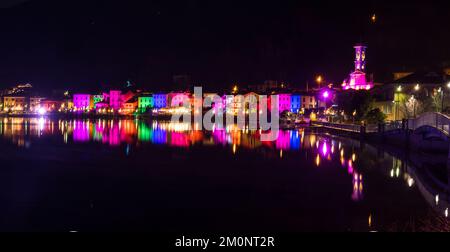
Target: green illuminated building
column 145, row 103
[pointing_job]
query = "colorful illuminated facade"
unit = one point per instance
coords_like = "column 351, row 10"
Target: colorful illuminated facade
column 160, row 100
column 35, row 103
column 14, row 103
column 296, row 103
column 251, row 97
column 177, row 99
column 83, row 101
column 234, row 103
column 209, row 96
column 129, row 107
column 145, row 103
column 357, row 79
column 50, row 105
column 115, row 100
column 284, row 102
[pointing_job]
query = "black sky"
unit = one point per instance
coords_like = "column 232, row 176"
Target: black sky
column 64, row 44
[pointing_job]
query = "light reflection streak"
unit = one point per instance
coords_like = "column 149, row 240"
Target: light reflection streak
column 181, row 135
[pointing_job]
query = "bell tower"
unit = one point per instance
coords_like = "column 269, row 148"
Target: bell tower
column 360, row 57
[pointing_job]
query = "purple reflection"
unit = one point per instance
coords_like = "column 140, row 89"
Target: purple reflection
column 220, row 136
column 324, row 149
column 81, row 131
column 114, row 135
column 283, row 140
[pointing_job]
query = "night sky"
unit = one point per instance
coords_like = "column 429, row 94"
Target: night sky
column 67, row 44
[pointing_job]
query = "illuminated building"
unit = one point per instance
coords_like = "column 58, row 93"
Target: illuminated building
column 115, row 101
column 160, row 100
column 177, row 99
column 209, row 96
column 14, row 103
column 35, row 103
column 251, row 97
column 50, row 105
column 284, row 102
column 234, row 104
column 129, row 107
column 145, row 103
column 83, row 101
column 308, row 101
column 296, row 103
column 98, row 98
column 357, row 79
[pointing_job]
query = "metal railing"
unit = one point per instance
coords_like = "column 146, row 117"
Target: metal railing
column 348, row 127
column 437, row 120
column 433, row 119
column 393, row 125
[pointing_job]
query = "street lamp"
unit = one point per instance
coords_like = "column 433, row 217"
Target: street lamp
column 397, row 100
column 417, row 87
column 235, row 89
column 413, row 100
column 319, row 80
column 441, row 92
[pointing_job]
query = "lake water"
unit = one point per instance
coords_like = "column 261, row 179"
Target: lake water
column 123, row 175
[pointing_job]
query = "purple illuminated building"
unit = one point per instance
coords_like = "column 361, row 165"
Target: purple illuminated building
column 284, row 102
column 357, row 79
column 82, row 101
column 115, row 101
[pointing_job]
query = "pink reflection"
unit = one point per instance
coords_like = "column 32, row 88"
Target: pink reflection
column 283, row 141
column 350, row 166
column 324, row 149
column 179, row 139
column 357, row 193
column 81, row 131
column 220, row 136
column 114, row 135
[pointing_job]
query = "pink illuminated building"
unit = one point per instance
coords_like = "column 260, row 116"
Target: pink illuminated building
column 176, row 99
column 83, row 101
column 115, row 101
column 284, row 102
column 357, row 79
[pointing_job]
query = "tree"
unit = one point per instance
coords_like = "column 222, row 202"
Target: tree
column 375, row 116
column 355, row 103
column 436, row 98
column 411, row 106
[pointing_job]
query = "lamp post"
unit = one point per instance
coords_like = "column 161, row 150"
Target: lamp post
column 319, row 80
column 325, row 96
column 397, row 101
column 443, row 96
column 441, row 91
column 413, row 100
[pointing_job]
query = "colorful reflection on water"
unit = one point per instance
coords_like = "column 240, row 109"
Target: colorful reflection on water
column 322, row 150
column 117, row 132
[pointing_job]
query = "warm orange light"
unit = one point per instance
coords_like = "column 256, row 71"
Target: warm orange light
column 319, row 79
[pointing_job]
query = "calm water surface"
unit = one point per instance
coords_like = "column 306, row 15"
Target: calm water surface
column 114, row 175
